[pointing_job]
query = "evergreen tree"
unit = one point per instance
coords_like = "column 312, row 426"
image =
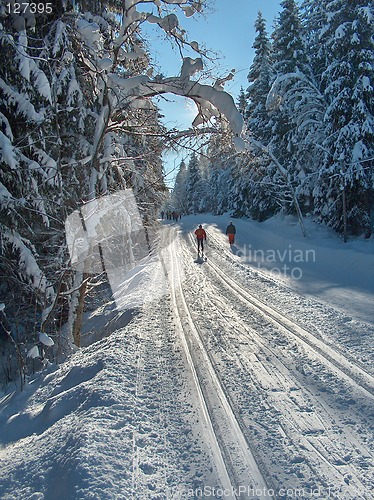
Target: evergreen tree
column 288, row 50
column 76, row 125
column 260, row 79
column 310, row 101
column 288, row 57
column 222, row 178
column 180, row 198
column 346, row 176
column 71, row 146
column 293, row 101
column 203, row 187
column 192, row 184
column 314, row 23
column 31, row 179
column 252, row 186
column 242, row 102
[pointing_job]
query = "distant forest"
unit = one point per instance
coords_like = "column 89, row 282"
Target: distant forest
column 309, row 116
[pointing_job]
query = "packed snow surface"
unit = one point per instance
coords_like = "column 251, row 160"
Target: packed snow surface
column 249, row 376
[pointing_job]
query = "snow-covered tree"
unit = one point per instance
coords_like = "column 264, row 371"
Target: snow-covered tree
column 288, row 51
column 190, row 194
column 220, row 174
column 192, row 184
column 314, row 18
column 255, row 197
column 260, row 78
column 78, row 122
column 297, row 108
column 31, row 189
column 310, row 119
column 346, row 177
column 180, row 198
column 288, row 56
column 242, row 103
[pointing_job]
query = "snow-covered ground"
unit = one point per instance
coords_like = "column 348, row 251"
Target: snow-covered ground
column 248, row 374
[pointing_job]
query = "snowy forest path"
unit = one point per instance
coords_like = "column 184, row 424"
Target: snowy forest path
column 233, row 458
column 300, row 402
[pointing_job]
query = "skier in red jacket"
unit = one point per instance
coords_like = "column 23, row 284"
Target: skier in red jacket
column 201, row 236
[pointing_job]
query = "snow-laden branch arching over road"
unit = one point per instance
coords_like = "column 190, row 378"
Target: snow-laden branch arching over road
column 203, row 95
column 211, row 100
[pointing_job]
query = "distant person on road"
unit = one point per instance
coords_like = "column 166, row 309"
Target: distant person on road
column 201, row 237
column 231, row 231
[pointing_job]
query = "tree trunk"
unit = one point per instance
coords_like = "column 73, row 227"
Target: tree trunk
column 344, row 197
column 77, row 326
column 21, row 362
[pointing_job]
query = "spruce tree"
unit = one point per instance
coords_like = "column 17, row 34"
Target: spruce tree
column 260, row 78
column 253, row 190
column 346, row 176
column 292, row 87
column 179, row 198
column 288, row 57
column 193, row 180
column 242, row 102
column 314, row 19
column 288, row 50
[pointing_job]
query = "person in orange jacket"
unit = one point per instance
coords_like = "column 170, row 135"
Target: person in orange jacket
column 201, row 237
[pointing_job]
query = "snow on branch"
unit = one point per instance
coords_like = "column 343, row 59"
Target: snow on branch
column 169, row 23
column 277, row 92
column 28, row 67
column 221, row 81
column 283, row 89
column 296, row 95
column 5, row 195
column 7, row 151
column 29, row 269
column 211, row 101
column 90, row 32
column 205, row 97
column 127, row 85
column 190, row 67
column 21, row 103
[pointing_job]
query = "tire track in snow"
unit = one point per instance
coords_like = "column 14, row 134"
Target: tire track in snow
column 326, row 456
column 333, row 351
column 310, row 422
column 229, row 444
column 336, row 361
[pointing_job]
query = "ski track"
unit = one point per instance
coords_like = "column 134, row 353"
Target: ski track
column 130, row 430
column 331, row 399
column 345, row 334
column 332, row 356
column 235, row 463
column 227, row 380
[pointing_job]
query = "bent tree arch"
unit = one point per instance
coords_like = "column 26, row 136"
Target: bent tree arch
column 125, row 84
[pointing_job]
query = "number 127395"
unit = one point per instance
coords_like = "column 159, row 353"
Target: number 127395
column 29, row 7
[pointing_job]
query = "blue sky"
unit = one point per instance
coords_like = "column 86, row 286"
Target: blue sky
column 228, row 30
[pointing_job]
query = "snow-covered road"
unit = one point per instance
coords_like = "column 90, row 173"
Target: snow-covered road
column 231, row 383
